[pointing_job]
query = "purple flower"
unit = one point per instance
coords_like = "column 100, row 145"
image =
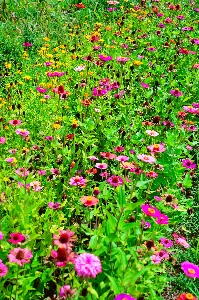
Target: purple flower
column 145, row 225
column 145, row 85
column 187, row 29
column 98, row 91
column 54, row 205
column 87, row 265
column 166, row 243
column 27, row 44
column 161, row 25
column 119, row 95
column 105, row 57
column 115, row 180
column 188, row 164
column 151, row 49
column 124, row 296
column 41, row 90
column 176, row 93
column 49, row 138
column 190, row 269
column 65, row 292
column 112, row 9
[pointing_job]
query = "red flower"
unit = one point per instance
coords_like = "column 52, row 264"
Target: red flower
column 80, row 5
column 16, row 238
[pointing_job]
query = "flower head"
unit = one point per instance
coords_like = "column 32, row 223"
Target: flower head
column 176, row 93
column 2, row 140
column 54, row 205
column 22, row 132
column 22, row 172
column 182, row 242
column 3, row 269
column 77, row 181
column 65, row 238
column 63, row 256
column 16, row 238
column 65, row 292
column 124, row 296
column 115, row 180
column 101, row 166
column 150, row 211
column 190, row 269
column 87, row 265
column 15, row 122
column 20, row 256
column 89, row 200
column 166, row 243
column 186, row 296
column 162, row 219
column 157, row 148
column 188, row 164
column 146, row 158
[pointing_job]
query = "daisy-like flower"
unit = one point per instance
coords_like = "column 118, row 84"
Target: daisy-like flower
column 63, row 256
column 1, row 235
column 145, row 85
column 166, row 243
column 122, row 158
column 22, row 132
column 186, row 296
column 182, row 242
column 36, row 186
column 190, row 269
column 192, row 110
column 65, row 239
column 20, row 256
column 108, row 155
column 15, row 122
column 150, row 211
column 49, row 138
column 122, row 59
column 176, row 93
column 87, row 265
column 188, row 164
column 145, row 225
column 22, row 172
column 119, row 149
column 12, row 151
column 105, row 57
column 41, row 90
column 124, row 296
column 79, row 68
column 156, row 148
column 162, row 219
column 93, row 158
column 155, row 259
column 65, row 292
column 54, row 205
column 113, row 2
column 147, row 158
column 11, row 160
column 16, row 238
column 98, row 91
column 89, row 200
column 3, row 269
column 151, row 49
column 115, row 180
column 77, row 181
column 101, row 166
column 152, row 174
column 41, row 172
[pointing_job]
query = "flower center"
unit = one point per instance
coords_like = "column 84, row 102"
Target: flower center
column 156, row 147
column 64, row 238
column 89, row 199
column 191, row 271
column 146, row 158
column 189, row 296
column 151, row 210
column 20, row 255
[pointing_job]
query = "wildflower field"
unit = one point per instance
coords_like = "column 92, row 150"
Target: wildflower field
column 99, row 150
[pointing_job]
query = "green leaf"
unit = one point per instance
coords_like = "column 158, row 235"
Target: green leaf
column 187, row 182
column 93, row 291
column 142, row 184
column 114, row 284
column 121, row 198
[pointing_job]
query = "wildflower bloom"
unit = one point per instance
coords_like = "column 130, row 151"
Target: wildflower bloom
column 124, row 296
column 36, row 185
column 22, row 172
column 108, row 155
column 1, row 235
column 54, row 205
column 65, row 292
column 98, row 91
column 155, row 259
column 145, row 85
column 11, row 160
column 146, row 158
column 27, row 44
column 150, row 211
column 3, row 269
column 119, row 149
column 55, row 171
column 157, row 148
column 49, row 138
column 105, row 57
column 41, row 172
column 89, row 200
column 65, row 238
column 190, row 269
column 152, row 174
column 176, row 93
column 77, row 181
column 79, row 68
column 122, row 158
column 15, row 122
column 41, row 90
column 101, row 166
column 115, row 180
column 63, row 256
column 16, row 238
column 186, row 296
column 22, row 132
column 182, row 242
column 122, row 59
column 87, row 265
column 162, row 219
column 20, row 256
column 113, row 2
column 93, row 158
column 152, row 133
column 188, row 164
column 166, row 243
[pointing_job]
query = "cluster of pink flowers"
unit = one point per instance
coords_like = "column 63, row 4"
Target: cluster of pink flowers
column 152, row 211
column 104, row 87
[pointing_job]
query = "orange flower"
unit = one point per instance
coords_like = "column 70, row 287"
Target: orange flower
column 89, row 200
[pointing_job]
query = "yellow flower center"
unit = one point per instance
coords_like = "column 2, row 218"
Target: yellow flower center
column 89, row 199
column 189, row 296
column 156, row 147
column 191, row 271
column 151, row 210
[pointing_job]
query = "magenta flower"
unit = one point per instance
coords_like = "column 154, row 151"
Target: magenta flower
column 65, row 239
column 41, row 172
column 191, row 110
column 152, row 174
column 15, row 122
column 63, row 256
column 122, row 158
column 163, row 254
column 65, row 292
column 190, row 269
column 145, row 225
column 119, row 149
column 1, row 235
column 112, row 9
column 10, row 160
column 180, row 17
column 22, row 132
column 48, row 64
column 115, row 180
column 49, row 138
column 77, row 181
column 119, row 95
column 41, row 90
column 2, row 140
column 155, row 259
column 36, row 186
column 96, row 48
column 166, row 243
column 156, row 148
column 54, row 205
column 188, row 164
column 176, row 93
column 105, row 57
column 55, row 171
column 150, row 211
column 93, row 158
column 168, row 123
column 20, row 256
column 87, row 265
column 151, row 49
column 101, row 166
column 16, row 238
column 162, row 219
column 122, row 59
column 98, row 91
column 22, row 172
column 145, row 85
column 3, row 269
column 146, row 158
column 187, row 28
column 27, row 44
column 124, row 296
column 182, row 242
column 157, row 198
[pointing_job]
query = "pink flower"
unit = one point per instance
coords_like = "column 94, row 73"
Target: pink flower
column 41, row 90
column 89, row 200
column 176, row 93
column 46, row 96
column 16, row 238
column 48, row 63
column 152, row 174
column 65, row 292
column 190, row 269
column 119, row 149
column 145, row 85
column 41, row 172
column 55, row 171
column 3, row 269
column 101, row 166
column 20, row 256
column 27, row 44
column 189, row 147
column 156, row 148
column 191, row 109
column 65, row 239
column 196, row 66
column 63, row 256
column 162, row 219
column 187, row 29
column 152, row 133
column 115, row 180
column 12, row 151
column 54, row 205
column 113, row 2
column 105, row 57
column 22, row 172
column 87, row 265
column 22, row 132
column 146, row 158
column 150, row 211
column 77, row 181
column 157, row 198
column 122, row 59
column 188, row 164
column 122, row 158
column 93, row 158
column 36, row 186
column 108, row 155
column 180, row 17
column 15, row 122
column 182, row 242
column 98, row 91
column 79, row 68
column 10, row 160
column 49, row 138
column 151, row 49
column 155, row 259
column 124, row 296
column 1, row 235
column 166, row 243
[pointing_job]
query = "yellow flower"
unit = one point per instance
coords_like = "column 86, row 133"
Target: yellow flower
column 6, row 179
column 62, row 47
column 46, row 39
column 56, row 126
column 47, row 45
column 25, row 55
column 73, row 56
column 27, row 77
column 137, row 62
column 49, row 85
column 8, row 65
column 49, row 55
column 26, row 150
column 6, row 127
column 19, row 72
column 43, row 100
column 21, row 82
column 55, row 49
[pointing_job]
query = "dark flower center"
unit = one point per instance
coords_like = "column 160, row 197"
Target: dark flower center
column 62, row 254
column 64, row 238
column 169, row 198
column 20, row 255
